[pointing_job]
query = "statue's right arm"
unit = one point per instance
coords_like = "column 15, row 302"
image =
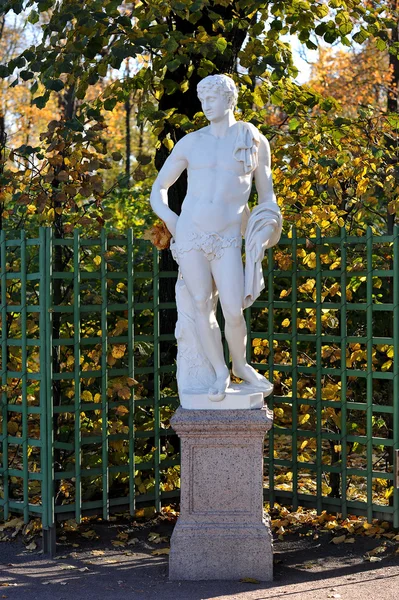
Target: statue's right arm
column 169, row 173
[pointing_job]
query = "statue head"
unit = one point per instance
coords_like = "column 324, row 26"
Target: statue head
column 218, row 95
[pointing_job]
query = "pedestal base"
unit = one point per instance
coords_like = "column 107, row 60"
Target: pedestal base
column 222, row 532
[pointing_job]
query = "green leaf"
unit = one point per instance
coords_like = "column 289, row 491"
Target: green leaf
column 74, row 125
column 33, row 17
column 110, row 103
column 221, row 44
column 173, row 64
column 381, row 44
column 345, row 28
column 102, row 69
column 25, row 75
column 361, row 36
column 56, row 85
column 293, row 124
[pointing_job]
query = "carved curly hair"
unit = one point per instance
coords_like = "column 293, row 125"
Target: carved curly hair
column 222, row 84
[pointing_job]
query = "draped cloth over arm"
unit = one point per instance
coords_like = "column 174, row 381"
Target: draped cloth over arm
column 264, row 214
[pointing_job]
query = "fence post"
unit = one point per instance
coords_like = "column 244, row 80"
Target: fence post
column 49, row 529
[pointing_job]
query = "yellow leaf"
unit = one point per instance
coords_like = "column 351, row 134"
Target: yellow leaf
column 97, row 260
column 118, row 350
column 303, row 419
column 160, row 551
column 124, row 393
column 168, row 143
column 121, row 410
column 286, row 323
column 305, row 187
column 308, row 286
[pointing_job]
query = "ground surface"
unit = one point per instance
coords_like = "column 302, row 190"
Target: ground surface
column 95, row 568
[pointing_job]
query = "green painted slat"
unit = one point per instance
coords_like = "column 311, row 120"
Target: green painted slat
column 330, row 305
column 326, row 371
column 43, row 374
column 269, row 366
column 319, row 406
column 130, row 331
column 343, row 407
column 309, row 337
column 4, row 413
column 104, row 379
column 24, row 383
column 294, row 358
column 77, row 380
column 157, row 394
column 336, row 469
column 369, row 393
column 336, row 404
column 396, row 364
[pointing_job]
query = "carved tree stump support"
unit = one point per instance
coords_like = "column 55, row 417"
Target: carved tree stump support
column 222, row 531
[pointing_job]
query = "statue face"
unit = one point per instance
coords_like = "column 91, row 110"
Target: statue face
column 214, row 105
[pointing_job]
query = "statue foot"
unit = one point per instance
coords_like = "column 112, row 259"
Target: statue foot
column 252, row 377
column 217, row 391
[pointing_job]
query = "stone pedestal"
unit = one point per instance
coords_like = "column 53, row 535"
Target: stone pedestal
column 222, row 531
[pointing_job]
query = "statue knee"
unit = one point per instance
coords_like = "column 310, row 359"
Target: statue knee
column 202, row 303
column 233, row 318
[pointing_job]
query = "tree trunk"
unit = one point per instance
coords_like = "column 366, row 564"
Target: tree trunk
column 187, row 103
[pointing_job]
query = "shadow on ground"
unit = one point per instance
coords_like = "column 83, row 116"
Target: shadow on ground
column 305, row 568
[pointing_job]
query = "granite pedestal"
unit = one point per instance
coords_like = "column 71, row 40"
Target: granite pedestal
column 222, row 531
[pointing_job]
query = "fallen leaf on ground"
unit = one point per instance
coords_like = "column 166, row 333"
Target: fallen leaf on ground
column 31, row 546
column 160, row 551
column 372, row 558
column 91, row 534
column 133, row 541
column 339, row 539
column 378, row 550
column 249, row 580
column 17, row 522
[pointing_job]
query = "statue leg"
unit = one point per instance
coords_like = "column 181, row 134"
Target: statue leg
column 196, row 271
column 228, row 273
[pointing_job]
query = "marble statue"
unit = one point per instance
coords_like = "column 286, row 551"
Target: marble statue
column 222, row 159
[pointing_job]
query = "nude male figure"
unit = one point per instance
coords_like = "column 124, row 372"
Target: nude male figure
column 207, row 234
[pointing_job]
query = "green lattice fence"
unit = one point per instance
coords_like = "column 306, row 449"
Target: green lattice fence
column 327, row 334
column 84, row 317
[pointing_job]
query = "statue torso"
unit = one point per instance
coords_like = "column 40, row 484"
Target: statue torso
column 218, row 187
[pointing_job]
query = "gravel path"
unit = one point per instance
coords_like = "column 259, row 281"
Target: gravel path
column 305, row 569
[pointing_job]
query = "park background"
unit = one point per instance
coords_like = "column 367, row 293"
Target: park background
column 93, row 97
